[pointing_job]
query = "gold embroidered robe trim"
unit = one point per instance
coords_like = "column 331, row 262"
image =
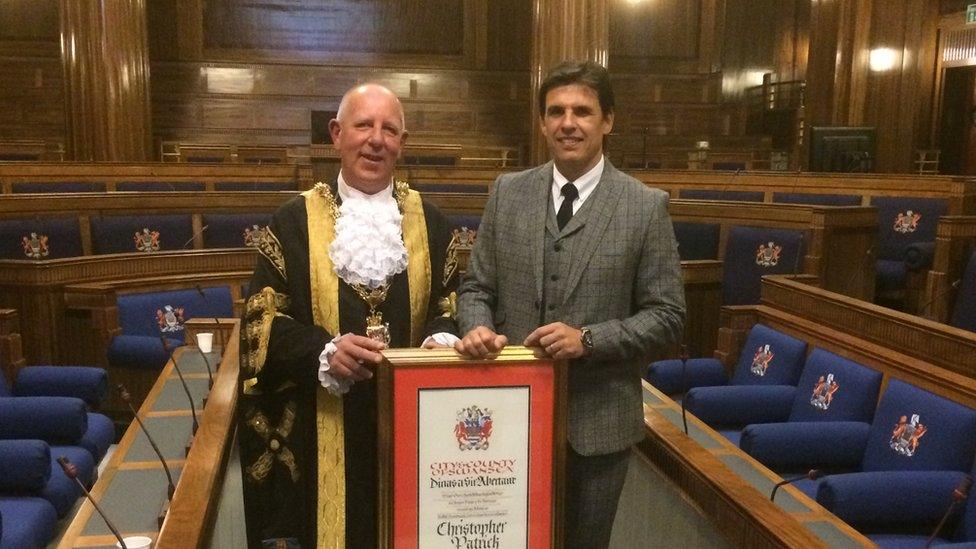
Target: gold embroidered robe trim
column 259, row 313
column 321, row 208
column 269, row 247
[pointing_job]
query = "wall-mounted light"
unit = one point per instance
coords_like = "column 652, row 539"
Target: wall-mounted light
column 882, row 59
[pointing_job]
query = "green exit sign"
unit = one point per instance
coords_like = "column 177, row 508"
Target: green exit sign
column 971, row 13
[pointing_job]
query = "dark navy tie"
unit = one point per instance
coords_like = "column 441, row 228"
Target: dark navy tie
column 565, row 212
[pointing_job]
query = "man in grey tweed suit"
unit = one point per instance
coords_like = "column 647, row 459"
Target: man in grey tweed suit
column 589, row 274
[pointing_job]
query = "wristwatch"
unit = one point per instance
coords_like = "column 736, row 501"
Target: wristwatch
column 586, row 338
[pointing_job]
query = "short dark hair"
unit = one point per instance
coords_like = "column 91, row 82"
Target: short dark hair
column 587, row 73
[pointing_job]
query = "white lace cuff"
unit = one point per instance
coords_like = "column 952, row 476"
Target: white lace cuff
column 337, row 387
column 442, row 338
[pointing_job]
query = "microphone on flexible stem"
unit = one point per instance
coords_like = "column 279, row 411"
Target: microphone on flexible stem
column 71, row 472
column 189, row 397
column 127, row 399
column 194, row 237
column 812, row 474
column 959, row 495
column 684, row 385
column 925, row 306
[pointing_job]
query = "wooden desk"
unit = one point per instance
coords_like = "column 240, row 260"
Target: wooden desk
column 955, row 240
column 133, row 486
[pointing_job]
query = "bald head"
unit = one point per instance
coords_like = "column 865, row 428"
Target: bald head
column 369, row 92
column 369, row 134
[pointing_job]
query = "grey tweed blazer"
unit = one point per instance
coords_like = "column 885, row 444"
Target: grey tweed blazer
column 625, row 285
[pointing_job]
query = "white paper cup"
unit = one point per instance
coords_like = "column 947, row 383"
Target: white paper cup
column 205, row 341
column 137, row 542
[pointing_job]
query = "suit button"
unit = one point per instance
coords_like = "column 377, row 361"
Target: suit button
column 554, row 277
column 557, row 247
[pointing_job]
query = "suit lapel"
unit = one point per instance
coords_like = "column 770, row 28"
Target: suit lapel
column 604, row 200
column 538, row 204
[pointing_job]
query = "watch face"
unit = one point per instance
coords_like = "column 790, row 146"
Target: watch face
column 587, row 338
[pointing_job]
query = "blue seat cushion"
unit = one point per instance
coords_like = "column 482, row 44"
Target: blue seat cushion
column 57, row 187
column 769, row 357
column 50, row 238
column 753, row 252
column 27, row 522
column 738, row 405
column 697, row 241
column 964, row 310
column 233, row 230
column 25, row 465
column 139, row 352
column 99, row 436
column 141, row 233
column 833, row 388
column 667, row 375
column 84, row 382
column 147, row 186
column 915, row 430
column 890, row 274
column 55, row 420
column 62, row 491
column 806, row 445
column 919, row 256
column 817, row 199
column 912, row 500
column 717, row 194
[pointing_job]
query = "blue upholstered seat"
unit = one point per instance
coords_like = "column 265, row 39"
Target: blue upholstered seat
column 964, row 310
column 147, row 186
column 918, row 446
column 256, row 186
column 817, row 199
column 717, row 194
column 753, row 252
column 144, row 317
column 697, row 240
column 233, row 230
column 140, row 233
column 49, row 238
column 835, row 397
column 57, row 187
column 902, row 221
column 26, row 522
column 768, row 358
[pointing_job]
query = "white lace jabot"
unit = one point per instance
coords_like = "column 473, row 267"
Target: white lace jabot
column 368, row 247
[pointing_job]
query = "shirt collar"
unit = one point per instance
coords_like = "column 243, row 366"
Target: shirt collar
column 584, row 183
column 346, row 193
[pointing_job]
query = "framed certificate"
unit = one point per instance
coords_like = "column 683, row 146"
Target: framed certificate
column 470, row 452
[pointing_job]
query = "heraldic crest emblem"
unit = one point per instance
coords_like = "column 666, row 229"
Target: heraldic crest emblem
column 473, row 428
column 767, row 255
column 170, row 319
column 761, row 360
column 253, row 235
column 35, row 246
column 906, row 434
column 146, row 240
column 906, row 222
column 823, row 392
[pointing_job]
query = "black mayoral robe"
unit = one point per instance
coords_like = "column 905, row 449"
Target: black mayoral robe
column 281, row 422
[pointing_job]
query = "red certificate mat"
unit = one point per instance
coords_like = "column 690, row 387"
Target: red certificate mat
column 473, row 454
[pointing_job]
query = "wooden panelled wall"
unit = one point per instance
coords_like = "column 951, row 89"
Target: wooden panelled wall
column 252, row 72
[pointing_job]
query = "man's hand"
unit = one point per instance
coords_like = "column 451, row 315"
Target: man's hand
column 481, row 343
column 354, row 356
column 557, row 340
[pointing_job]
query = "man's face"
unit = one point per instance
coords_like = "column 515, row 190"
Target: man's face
column 369, row 138
column 574, row 126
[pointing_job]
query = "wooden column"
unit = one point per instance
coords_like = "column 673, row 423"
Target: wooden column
column 105, row 61
column 564, row 30
column 838, row 62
